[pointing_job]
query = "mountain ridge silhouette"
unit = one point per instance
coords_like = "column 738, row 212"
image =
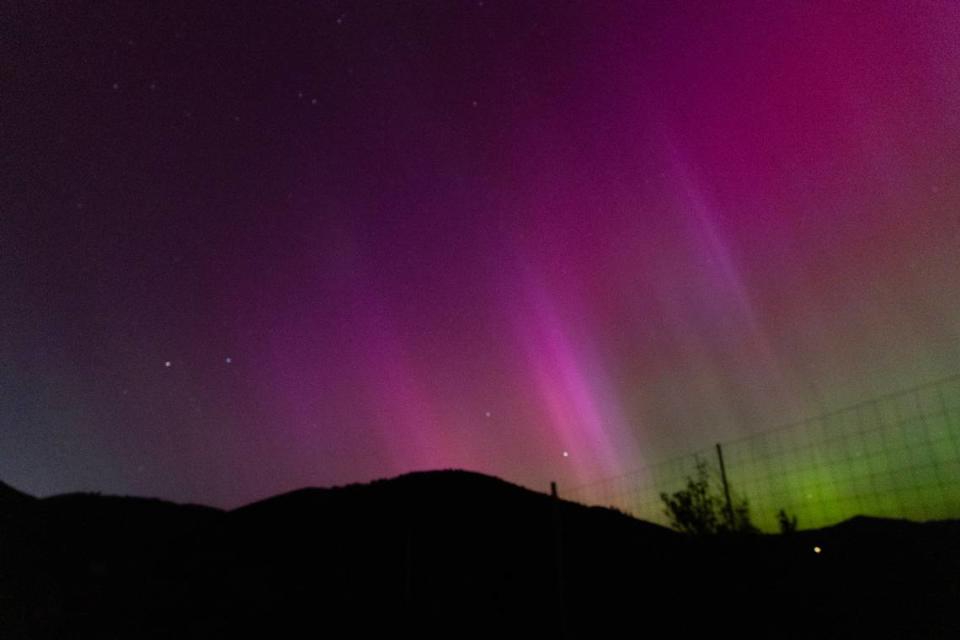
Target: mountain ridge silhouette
column 451, row 553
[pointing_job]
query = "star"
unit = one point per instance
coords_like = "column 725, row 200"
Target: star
column 228, row 359
column 487, row 414
column 167, row 364
column 566, row 454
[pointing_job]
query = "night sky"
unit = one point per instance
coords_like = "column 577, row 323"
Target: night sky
column 247, row 247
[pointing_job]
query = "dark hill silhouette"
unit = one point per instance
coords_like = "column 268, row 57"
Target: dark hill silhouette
column 454, row 554
column 10, row 495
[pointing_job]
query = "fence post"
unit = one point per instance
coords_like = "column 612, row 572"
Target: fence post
column 408, row 569
column 558, row 557
column 726, row 487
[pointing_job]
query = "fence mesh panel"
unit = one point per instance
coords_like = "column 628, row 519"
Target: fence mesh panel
column 895, row 456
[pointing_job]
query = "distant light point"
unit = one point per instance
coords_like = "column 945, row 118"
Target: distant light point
column 228, row 359
column 167, row 364
column 313, row 101
column 566, row 454
column 817, row 549
column 474, row 103
column 488, row 414
column 116, row 85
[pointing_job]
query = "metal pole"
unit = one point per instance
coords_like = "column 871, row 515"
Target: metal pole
column 726, row 487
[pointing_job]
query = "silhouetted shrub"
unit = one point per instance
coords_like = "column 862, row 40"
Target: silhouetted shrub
column 698, row 511
column 741, row 519
column 788, row 524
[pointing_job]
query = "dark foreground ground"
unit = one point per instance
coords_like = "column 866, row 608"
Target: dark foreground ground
column 453, row 554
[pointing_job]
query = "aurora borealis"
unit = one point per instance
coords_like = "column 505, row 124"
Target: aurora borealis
column 376, row 237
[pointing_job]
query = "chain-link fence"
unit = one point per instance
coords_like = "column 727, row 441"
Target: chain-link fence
column 895, row 456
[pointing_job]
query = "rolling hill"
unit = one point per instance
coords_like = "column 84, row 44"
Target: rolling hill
column 452, row 554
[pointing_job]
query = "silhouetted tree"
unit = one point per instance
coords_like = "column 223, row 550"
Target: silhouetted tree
column 787, row 523
column 741, row 519
column 694, row 509
column 697, row 510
